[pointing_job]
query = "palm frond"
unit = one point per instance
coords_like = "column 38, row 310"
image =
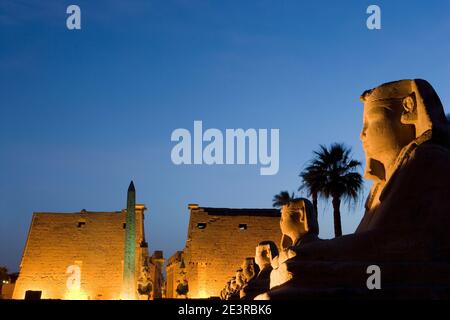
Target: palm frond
column 332, row 172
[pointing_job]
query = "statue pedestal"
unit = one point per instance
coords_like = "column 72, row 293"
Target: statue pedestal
column 342, row 280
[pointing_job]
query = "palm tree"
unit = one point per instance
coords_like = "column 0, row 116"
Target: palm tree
column 312, row 181
column 282, row 198
column 3, row 273
column 332, row 173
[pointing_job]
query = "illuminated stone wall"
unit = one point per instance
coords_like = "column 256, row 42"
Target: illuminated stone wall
column 174, row 274
column 7, row 291
column 219, row 239
column 93, row 241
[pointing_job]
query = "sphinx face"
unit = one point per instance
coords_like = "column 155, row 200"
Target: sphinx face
column 239, row 278
column 293, row 220
column 262, row 256
column 248, row 269
column 233, row 284
column 383, row 135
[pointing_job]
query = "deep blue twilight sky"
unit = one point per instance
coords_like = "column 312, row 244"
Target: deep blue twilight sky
column 84, row 112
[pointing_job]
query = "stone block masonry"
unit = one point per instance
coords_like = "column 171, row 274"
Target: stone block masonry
column 91, row 242
column 219, row 239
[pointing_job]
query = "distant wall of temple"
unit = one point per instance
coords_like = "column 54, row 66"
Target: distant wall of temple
column 174, row 274
column 60, row 244
column 219, row 239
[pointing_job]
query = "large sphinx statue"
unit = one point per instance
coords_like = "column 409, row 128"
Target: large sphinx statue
column 406, row 226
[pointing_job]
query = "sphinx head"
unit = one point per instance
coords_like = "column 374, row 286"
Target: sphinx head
column 265, row 252
column 233, row 283
column 395, row 114
column 228, row 287
column 240, row 280
column 249, row 268
column 298, row 219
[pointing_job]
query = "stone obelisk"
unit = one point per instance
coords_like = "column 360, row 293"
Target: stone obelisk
column 129, row 261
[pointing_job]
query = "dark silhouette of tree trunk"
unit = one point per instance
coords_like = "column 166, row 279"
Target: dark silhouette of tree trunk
column 314, row 201
column 337, row 216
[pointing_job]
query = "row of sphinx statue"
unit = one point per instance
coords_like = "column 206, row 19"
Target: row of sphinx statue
column 405, row 230
column 267, row 269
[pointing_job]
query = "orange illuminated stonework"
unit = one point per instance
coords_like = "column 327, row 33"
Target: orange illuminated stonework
column 219, row 239
column 80, row 256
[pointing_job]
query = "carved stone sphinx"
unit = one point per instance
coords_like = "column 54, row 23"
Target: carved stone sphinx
column 266, row 251
column 240, row 279
column 406, row 226
column 299, row 226
column 250, row 270
column 225, row 293
column 234, row 289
